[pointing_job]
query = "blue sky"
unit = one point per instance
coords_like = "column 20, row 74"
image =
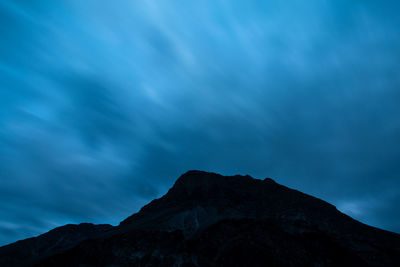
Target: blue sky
column 104, row 104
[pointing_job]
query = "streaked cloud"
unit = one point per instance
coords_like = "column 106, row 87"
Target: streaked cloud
column 104, row 105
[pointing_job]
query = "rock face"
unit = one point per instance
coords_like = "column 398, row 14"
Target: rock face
column 207, row 219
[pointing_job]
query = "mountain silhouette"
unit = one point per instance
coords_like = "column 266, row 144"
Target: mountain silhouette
column 207, row 219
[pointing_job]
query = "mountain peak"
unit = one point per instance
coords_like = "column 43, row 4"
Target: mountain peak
column 206, row 177
column 199, row 199
column 195, row 176
column 195, row 180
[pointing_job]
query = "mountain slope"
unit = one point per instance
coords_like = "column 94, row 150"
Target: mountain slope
column 31, row 250
column 207, row 219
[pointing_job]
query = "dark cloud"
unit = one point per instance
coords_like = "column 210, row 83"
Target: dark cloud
column 103, row 106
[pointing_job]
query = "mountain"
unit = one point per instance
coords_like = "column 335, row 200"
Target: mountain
column 207, row 219
column 30, row 251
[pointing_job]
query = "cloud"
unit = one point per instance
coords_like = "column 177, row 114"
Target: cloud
column 103, row 106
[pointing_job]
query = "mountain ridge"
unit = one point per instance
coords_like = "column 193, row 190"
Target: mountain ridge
column 207, row 219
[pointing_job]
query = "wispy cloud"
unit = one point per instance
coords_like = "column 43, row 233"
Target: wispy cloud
column 103, row 105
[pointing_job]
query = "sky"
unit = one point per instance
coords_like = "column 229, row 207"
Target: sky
column 104, row 104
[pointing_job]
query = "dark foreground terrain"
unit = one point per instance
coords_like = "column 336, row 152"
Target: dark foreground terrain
column 207, row 219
